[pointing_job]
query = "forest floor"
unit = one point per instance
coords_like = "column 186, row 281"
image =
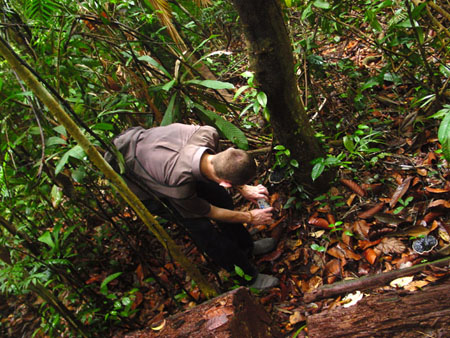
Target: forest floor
column 388, row 209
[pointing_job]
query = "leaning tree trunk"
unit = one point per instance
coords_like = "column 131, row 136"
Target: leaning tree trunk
column 273, row 63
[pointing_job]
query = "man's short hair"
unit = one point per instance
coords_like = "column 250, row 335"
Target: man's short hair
column 235, row 166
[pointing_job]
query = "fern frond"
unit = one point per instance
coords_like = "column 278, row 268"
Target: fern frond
column 41, row 10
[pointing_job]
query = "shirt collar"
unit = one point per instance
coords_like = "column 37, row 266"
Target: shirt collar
column 196, row 162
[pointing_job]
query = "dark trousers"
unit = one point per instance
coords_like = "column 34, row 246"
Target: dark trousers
column 227, row 244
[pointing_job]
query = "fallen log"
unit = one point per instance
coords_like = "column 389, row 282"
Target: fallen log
column 424, row 313
column 368, row 282
column 234, row 314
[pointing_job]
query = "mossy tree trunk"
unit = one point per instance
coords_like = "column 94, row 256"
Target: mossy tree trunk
column 272, row 61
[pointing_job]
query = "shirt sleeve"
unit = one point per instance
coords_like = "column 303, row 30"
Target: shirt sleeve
column 206, row 136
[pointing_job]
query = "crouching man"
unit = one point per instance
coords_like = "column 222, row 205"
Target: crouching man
column 179, row 174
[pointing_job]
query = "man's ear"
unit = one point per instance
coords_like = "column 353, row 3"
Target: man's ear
column 225, row 184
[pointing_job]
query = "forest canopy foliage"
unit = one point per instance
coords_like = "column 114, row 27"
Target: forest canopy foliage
column 69, row 241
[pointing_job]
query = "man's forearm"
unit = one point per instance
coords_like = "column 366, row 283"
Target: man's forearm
column 231, row 216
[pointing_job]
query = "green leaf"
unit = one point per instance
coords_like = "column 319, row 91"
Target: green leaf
column 55, row 140
column 445, row 70
column 103, row 126
column 229, row 130
column 238, row 271
column 372, row 82
column 262, row 99
column 317, row 170
column 79, row 174
column 47, row 239
column 348, row 143
column 61, row 130
column 169, row 115
column 444, row 136
column 155, row 64
column 168, row 85
column 56, row 195
column 75, row 152
column 240, row 91
column 107, row 280
column 212, row 84
column 321, row 4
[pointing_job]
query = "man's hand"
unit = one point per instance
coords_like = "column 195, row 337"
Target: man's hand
column 262, row 216
column 254, row 193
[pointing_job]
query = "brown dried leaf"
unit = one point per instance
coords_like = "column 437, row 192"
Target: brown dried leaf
column 353, row 186
column 417, row 231
column 296, row 317
column 415, row 285
column 336, row 252
column 367, row 244
column 361, row 228
column 431, row 216
column 350, row 254
column 372, row 211
column 437, row 190
column 388, row 218
column 319, row 222
column 440, row 203
column 333, row 269
column 401, row 190
column 390, row 245
column 370, row 255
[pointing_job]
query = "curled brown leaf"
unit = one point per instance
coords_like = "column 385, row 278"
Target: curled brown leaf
column 319, row 222
column 372, row 211
column 354, row 187
column 400, row 191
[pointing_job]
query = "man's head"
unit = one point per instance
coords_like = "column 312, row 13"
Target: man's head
column 234, row 166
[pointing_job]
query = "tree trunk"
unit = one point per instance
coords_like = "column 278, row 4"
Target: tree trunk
column 424, row 313
column 232, row 315
column 273, row 63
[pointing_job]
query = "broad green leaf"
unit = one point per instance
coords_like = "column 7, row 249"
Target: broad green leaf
column 322, row 4
column 169, row 115
column 103, row 126
column 445, row 70
column 46, row 238
column 61, row 163
column 56, row 195
column 103, row 286
column 262, row 99
column 79, row 174
column 372, row 82
column 55, row 140
column 348, row 143
column 239, row 91
column 60, row 130
column 212, row 84
column 76, row 152
column 168, row 85
column 229, row 130
column 444, row 136
column 154, row 63
column 317, row 170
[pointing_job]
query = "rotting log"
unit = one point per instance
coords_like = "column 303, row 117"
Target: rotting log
column 400, row 313
column 368, row 282
column 234, row 314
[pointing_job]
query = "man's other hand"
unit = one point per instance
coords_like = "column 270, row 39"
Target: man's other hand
column 262, row 216
column 254, row 193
